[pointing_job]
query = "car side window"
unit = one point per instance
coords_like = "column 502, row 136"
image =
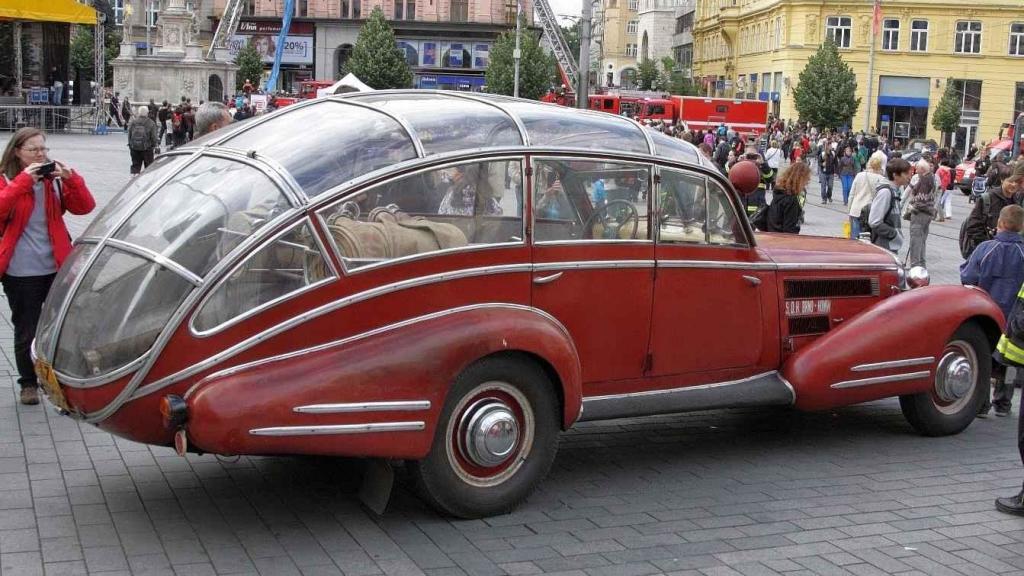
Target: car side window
column 285, row 265
column 456, row 206
column 695, row 210
column 589, row 200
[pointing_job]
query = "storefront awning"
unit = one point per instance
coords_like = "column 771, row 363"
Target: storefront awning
column 68, row 11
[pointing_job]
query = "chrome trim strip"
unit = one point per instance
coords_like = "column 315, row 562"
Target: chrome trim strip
column 271, row 303
column 716, row 264
column 593, row 265
column 372, row 428
column 680, row 389
column 893, row 364
column 351, row 407
column 83, row 383
column 881, row 380
column 415, row 257
column 414, row 137
column 156, row 258
column 139, row 201
column 835, row 266
column 766, row 389
column 626, row 242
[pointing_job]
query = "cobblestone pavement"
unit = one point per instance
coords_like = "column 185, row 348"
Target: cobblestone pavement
column 850, row 491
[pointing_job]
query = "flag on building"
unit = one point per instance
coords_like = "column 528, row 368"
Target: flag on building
column 876, row 15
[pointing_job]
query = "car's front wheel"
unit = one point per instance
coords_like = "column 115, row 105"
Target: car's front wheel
column 496, row 439
column 961, row 381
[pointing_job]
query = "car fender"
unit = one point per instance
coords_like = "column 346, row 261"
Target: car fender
column 409, row 365
column 890, row 349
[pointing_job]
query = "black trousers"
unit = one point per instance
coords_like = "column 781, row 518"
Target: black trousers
column 25, row 295
column 140, row 158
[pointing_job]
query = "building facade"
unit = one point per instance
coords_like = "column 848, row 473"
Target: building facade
column 447, row 42
column 682, row 40
column 656, row 28
column 757, row 49
column 619, row 27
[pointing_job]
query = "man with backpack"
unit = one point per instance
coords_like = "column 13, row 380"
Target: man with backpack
column 1003, row 191
column 884, row 215
column 722, row 154
column 143, row 138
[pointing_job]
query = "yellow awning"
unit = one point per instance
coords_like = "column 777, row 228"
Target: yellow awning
column 47, row 11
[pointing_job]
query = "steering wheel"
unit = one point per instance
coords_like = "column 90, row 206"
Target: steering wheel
column 613, row 216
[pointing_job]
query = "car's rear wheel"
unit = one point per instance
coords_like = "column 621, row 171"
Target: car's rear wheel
column 961, row 381
column 496, row 439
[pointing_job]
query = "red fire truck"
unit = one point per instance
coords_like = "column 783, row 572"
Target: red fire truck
column 747, row 117
column 307, row 91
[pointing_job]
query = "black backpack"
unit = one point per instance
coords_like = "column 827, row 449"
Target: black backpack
column 138, row 136
column 968, row 244
column 865, row 212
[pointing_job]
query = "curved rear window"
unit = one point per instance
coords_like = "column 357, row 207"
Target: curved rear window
column 328, row 143
column 198, row 216
column 62, row 283
column 550, row 126
column 450, row 124
column 674, row 148
column 122, row 202
column 122, row 305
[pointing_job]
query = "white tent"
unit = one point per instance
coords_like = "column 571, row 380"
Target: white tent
column 347, row 84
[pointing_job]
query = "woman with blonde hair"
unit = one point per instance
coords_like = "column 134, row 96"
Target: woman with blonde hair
column 786, row 208
column 35, row 191
column 862, row 191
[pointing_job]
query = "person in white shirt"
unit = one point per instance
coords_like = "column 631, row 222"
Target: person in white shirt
column 773, row 158
column 863, row 190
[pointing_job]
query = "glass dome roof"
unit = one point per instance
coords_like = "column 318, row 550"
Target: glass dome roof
column 335, row 139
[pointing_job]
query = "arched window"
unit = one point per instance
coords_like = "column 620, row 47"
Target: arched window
column 341, row 56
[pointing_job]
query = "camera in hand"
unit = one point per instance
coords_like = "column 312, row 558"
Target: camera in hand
column 47, row 169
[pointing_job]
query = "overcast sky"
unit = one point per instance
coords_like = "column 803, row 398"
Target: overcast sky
column 566, row 7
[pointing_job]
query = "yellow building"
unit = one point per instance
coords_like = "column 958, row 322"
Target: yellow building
column 757, row 49
column 619, row 46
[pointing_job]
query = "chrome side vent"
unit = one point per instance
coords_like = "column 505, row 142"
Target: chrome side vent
column 831, row 288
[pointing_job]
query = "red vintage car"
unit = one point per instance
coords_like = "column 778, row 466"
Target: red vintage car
column 452, row 279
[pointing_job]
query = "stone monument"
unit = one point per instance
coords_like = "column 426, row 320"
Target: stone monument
column 176, row 68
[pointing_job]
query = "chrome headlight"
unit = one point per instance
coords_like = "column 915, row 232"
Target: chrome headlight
column 918, row 277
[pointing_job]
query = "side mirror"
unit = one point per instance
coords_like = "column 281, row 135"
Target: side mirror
column 745, row 177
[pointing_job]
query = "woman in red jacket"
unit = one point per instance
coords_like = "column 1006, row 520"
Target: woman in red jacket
column 34, row 194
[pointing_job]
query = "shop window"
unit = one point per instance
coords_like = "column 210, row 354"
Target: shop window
column 890, row 34
column 839, row 29
column 632, row 26
column 919, row 35
column 1017, row 39
column 968, row 37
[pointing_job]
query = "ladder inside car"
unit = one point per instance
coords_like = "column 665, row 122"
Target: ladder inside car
column 566, row 61
column 227, row 26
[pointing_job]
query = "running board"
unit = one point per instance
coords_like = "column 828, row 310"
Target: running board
column 768, row 389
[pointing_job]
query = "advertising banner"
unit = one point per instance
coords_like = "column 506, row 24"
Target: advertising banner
column 297, row 49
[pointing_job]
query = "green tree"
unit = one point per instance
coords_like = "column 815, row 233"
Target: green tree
column 81, row 52
column 825, row 94
column 571, row 34
column 946, row 117
column 250, row 66
column 537, row 68
column 376, row 58
column 648, row 75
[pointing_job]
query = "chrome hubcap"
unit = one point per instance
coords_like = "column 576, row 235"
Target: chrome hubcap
column 491, row 433
column 954, row 376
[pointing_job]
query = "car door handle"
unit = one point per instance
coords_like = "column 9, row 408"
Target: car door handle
column 754, row 280
column 548, row 279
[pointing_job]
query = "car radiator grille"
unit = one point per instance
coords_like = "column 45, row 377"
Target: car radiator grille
column 833, row 288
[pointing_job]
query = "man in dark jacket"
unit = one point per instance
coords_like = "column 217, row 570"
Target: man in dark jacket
column 997, row 266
